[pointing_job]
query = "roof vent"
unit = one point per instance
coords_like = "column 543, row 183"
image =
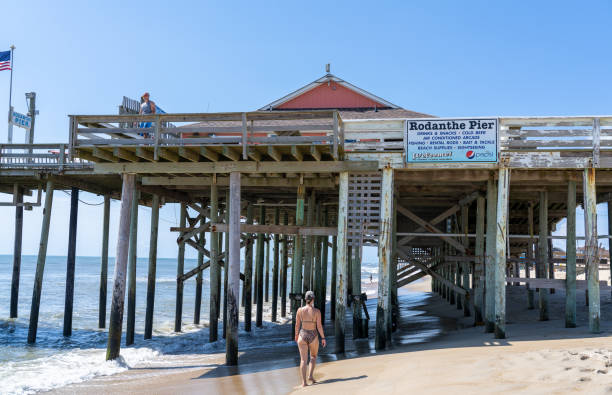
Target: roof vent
column 327, row 68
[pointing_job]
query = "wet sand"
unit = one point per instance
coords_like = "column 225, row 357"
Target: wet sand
column 538, row 357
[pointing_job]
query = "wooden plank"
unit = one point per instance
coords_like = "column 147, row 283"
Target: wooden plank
column 243, row 167
column 503, row 192
column 275, row 266
column 297, row 153
column 105, row 155
column 280, row 229
column 230, row 153
column 591, row 248
column 169, row 155
column 246, row 181
column 116, row 318
column 274, row 153
column 315, row 153
column 548, row 283
column 248, row 270
column 152, row 272
column 284, row 267
column 259, row 264
column 491, row 232
column 209, row 154
column 341, row 265
column 255, row 154
column 542, row 265
column 125, row 154
column 144, row 153
column 244, row 136
column 189, row 154
column 570, row 248
column 530, row 255
column 233, row 268
column 449, row 284
column 385, row 248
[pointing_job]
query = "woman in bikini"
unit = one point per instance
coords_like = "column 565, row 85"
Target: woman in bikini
column 307, row 330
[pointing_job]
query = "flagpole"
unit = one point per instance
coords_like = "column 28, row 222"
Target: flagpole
column 10, row 125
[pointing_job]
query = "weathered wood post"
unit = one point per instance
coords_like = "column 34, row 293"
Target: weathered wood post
column 490, row 255
column 334, row 277
column 284, row 266
column 104, row 264
column 178, row 315
column 233, row 266
column 355, row 291
column 215, row 267
column 465, row 266
column 609, row 204
column 383, row 308
column 40, row 263
column 530, row 256
column 591, row 249
column 342, row 263
column 570, row 253
column 17, row 253
column 296, row 264
column 132, row 257
column 226, row 269
column 501, row 249
column 393, row 277
column 267, row 238
column 123, row 242
column 70, row 262
column 148, row 332
column 324, row 260
column 543, row 254
column 259, row 262
column 479, row 252
column 317, row 259
column 309, row 256
column 248, row 271
column 275, row 267
column 200, row 278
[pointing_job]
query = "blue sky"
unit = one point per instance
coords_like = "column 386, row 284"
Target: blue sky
column 445, row 58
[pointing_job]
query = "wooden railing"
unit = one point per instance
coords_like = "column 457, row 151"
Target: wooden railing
column 240, row 129
column 38, row 156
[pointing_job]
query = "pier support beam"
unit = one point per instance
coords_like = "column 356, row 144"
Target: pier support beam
column 296, row 264
column 609, row 204
column 259, row 264
column 148, row 332
column 17, row 254
column 248, row 272
column 133, row 256
column 267, row 239
column 104, row 264
column 543, row 254
column 570, row 253
column 591, row 256
column 531, row 253
column 70, row 261
column 479, row 263
column 178, row 315
column 309, row 256
column 334, row 275
column 275, row 267
column 465, row 266
column 383, row 309
column 233, row 266
column 284, row 266
column 342, row 263
column 324, row 265
column 226, row 268
column 490, row 255
column 501, row 250
column 215, row 268
column 199, row 277
column 40, row 263
column 123, row 240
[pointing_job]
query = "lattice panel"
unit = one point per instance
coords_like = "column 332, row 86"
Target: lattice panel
column 364, row 209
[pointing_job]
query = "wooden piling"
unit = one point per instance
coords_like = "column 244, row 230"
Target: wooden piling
column 259, row 264
column 530, row 256
column 132, row 257
column 70, row 261
column 383, row 308
column 334, row 275
column 148, row 332
column 226, row 269
column 309, row 253
column 317, row 258
column 570, row 253
column 284, row 267
column 355, row 291
column 490, row 255
column 296, row 263
column 40, row 263
column 324, row 265
column 543, row 254
column 591, row 256
column 465, row 266
column 267, row 239
column 104, row 264
column 501, row 250
column 215, row 268
column 200, row 278
column 17, row 253
column 248, row 272
column 393, row 269
column 233, row 266
column 275, row 265
column 479, row 262
column 178, row 315
column 609, row 204
column 342, row 263
column 119, row 276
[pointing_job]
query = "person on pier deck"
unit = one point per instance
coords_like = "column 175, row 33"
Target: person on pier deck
column 146, row 107
column 307, row 330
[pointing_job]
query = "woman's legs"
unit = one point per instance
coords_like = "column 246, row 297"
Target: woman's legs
column 314, row 351
column 303, row 347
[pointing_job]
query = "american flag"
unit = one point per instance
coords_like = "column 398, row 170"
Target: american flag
column 5, row 60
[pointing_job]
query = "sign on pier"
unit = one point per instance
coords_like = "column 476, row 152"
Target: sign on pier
column 451, row 140
column 21, row 120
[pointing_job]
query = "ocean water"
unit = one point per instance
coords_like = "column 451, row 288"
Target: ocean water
column 55, row 361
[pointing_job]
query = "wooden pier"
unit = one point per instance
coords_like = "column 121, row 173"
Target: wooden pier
column 306, row 182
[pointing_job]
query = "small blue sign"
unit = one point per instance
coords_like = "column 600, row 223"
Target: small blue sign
column 23, row 121
column 438, row 140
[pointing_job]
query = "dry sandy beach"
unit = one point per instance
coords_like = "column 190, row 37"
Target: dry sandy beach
column 538, row 357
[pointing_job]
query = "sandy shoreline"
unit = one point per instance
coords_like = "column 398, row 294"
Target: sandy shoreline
column 538, row 357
